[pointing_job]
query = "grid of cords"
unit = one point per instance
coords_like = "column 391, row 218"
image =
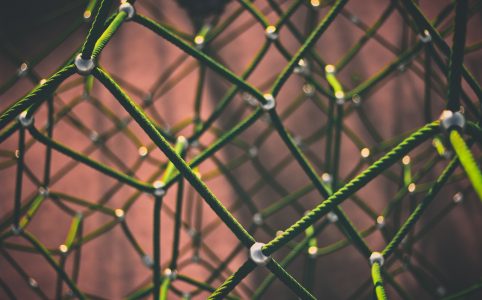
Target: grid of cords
column 451, row 134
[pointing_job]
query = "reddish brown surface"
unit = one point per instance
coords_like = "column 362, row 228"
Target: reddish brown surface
column 110, row 266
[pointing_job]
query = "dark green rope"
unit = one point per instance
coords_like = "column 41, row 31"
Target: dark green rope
column 457, row 55
column 355, row 184
column 224, row 289
column 102, row 8
column 180, row 164
column 417, row 213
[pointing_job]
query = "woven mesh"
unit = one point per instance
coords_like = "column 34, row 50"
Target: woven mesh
column 298, row 145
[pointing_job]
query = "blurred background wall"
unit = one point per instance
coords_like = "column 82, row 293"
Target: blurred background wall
column 445, row 260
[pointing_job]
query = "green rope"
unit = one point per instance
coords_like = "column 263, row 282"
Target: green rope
column 467, row 161
column 102, row 9
column 310, row 41
column 355, row 184
column 438, row 39
column 169, row 36
column 225, row 288
column 108, row 34
column 36, row 96
column 378, row 282
column 457, row 55
column 416, row 214
column 181, row 162
column 289, row 281
column 45, row 253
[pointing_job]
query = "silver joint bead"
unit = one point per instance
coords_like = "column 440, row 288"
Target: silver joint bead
column 184, row 140
column 441, row 291
column 425, row 36
column 171, row 274
column 354, row 19
column 159, row 190
column 298, row 141
column 43, row 191
column 147, row 260
column 87, row 15
column 257, row 255
column 199, row 42
column 271, row 32
column 128, row 9
column 340, row 98
column 33, row 283
column 452, row 120
column 24, row 120
column 250, row 100
column 380, row 222
column 302, row 68
column 94, row 136
column 330, row 69
column 356, row 99
column 22, row 70
column 377, row 257
column 308, row 90
column 84, row 66
column 17, row 230
column 332, row 217
column 64, row 250
column 270, row 102
column 326, row 178
column 258, row 219
column 458, row 198
column 253, row 151
column 195, row 258
column 120, row 214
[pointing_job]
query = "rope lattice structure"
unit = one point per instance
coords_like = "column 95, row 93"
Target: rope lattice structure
column 430, row 160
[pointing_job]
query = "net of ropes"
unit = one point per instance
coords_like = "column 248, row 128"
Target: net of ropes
column 285, row 183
